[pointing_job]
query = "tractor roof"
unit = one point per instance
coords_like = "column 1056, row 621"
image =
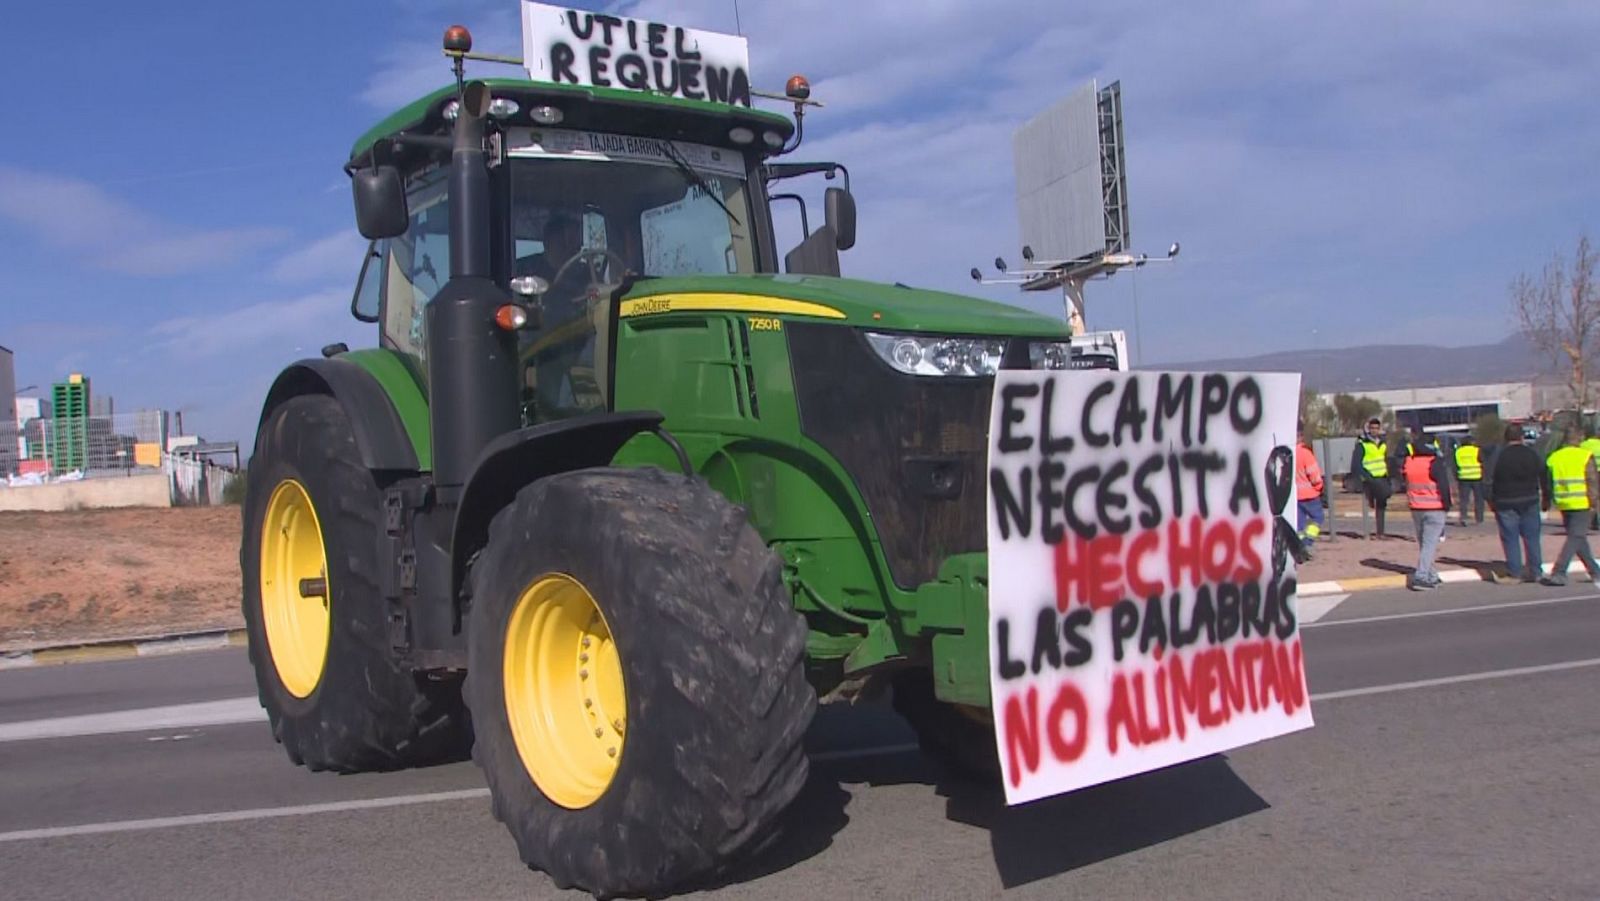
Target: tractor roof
column 585, row 107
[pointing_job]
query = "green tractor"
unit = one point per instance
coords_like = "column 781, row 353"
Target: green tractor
column 613, row 503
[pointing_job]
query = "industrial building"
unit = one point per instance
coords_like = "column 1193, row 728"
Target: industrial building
column 1454, row 408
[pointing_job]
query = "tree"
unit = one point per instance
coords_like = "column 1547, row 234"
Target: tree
column 1316, row 414
column 1559, row 312
column 1489, row 429
column 1352, row 412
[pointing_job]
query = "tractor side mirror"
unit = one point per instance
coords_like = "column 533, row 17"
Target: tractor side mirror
column 840, row 210
column 380, row 202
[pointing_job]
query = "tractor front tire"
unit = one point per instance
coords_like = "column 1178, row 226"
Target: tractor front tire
column 337, row 696
column 961, row 740
column 635, row 679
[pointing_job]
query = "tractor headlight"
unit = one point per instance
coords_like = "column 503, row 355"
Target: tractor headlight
column 939, row 355
column 1050, row 355
column 1101, row 350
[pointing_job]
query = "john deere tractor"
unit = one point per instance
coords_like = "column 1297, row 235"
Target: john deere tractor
column 613, row 501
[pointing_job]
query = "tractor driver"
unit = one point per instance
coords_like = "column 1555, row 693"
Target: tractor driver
column 563, row 240
column 553, row 349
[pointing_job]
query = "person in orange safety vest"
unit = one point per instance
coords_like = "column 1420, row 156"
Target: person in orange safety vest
column 1427, row 478
column 1307, row 487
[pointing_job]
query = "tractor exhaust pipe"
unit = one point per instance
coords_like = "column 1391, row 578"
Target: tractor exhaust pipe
column 472, row 363
column 469, row 187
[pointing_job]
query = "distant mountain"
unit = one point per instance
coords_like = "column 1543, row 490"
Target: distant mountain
column 1376, row 367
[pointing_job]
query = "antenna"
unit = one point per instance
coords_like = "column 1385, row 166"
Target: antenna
column 1069, row 275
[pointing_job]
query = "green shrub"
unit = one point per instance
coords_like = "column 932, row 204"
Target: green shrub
column 234, row 493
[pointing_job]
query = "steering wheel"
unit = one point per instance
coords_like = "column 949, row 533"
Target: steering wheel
column 602, row 264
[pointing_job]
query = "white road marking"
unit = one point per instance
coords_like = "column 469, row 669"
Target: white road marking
column 149, row 719
column 235, row 711
column 266, row 813
column 1456, row 680
column 234, row 816
column 1316, row 607
column 1448, row 611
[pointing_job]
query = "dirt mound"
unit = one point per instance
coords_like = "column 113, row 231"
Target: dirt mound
column 100, row 574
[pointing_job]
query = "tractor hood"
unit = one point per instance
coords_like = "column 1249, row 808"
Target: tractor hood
column 850, row 301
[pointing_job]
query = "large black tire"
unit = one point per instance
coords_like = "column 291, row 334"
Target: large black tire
column 367, row 712
column 711, row 653
column 961, row 741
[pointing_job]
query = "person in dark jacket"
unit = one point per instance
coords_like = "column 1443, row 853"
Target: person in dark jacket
column 1427, row 478
column 1370, row 463
column 1519, row 493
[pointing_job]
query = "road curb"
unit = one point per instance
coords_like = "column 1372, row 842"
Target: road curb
column 123, row 648
column 185, row 642
column 1397, row 580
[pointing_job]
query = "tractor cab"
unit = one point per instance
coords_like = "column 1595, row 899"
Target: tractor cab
column 589, row 189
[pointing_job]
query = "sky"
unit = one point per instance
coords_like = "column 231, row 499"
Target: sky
column 175, row 224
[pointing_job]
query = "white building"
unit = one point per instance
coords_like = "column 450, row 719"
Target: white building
column 1453, row 408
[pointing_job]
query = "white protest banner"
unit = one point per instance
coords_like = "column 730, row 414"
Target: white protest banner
column 574, row 46
column 1141, row 581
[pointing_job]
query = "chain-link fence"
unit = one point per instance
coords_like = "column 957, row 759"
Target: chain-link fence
column 51, row 451
column 48, row 450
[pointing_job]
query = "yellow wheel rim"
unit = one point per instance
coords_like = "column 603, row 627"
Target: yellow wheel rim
column 565, row 699
column 294, row 588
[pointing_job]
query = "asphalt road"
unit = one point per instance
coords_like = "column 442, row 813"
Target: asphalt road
column 1482, row 781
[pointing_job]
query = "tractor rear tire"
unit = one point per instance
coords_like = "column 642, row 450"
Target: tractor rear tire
column 961, row 741
column 360, row 709
column 705, row 700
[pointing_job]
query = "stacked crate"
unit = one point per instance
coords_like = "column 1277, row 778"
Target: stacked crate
column 68, row 437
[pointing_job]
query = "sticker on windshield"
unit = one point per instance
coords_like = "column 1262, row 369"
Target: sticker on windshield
column 601, row 146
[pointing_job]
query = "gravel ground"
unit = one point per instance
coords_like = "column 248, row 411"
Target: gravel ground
column 101, row 574
column 104, row 574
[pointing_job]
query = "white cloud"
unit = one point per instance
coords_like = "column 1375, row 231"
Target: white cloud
column 1341, row 167
column 75, row 215
column 334, row 259
column 299, row 324
column 413, row 68
column 1321, row 172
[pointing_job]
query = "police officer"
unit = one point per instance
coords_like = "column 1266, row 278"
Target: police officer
column 1469, row 476
column 1576, row 491
column 1370, row 463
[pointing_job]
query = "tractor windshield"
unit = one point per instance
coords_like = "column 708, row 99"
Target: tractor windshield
column 586, row 208
column 653, row 206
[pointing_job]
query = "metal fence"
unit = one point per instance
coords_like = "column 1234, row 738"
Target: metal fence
column 51, row 451
column 197, row 483
column 47, row 450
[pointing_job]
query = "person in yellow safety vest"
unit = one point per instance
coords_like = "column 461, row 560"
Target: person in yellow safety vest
column 1428, row 493
column 1307, row 487
column 1575, row 488
column 1469, row 476
column 1591, row 442
column 1370, row 463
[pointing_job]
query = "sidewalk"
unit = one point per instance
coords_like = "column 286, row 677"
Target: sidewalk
column 1350, row 562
